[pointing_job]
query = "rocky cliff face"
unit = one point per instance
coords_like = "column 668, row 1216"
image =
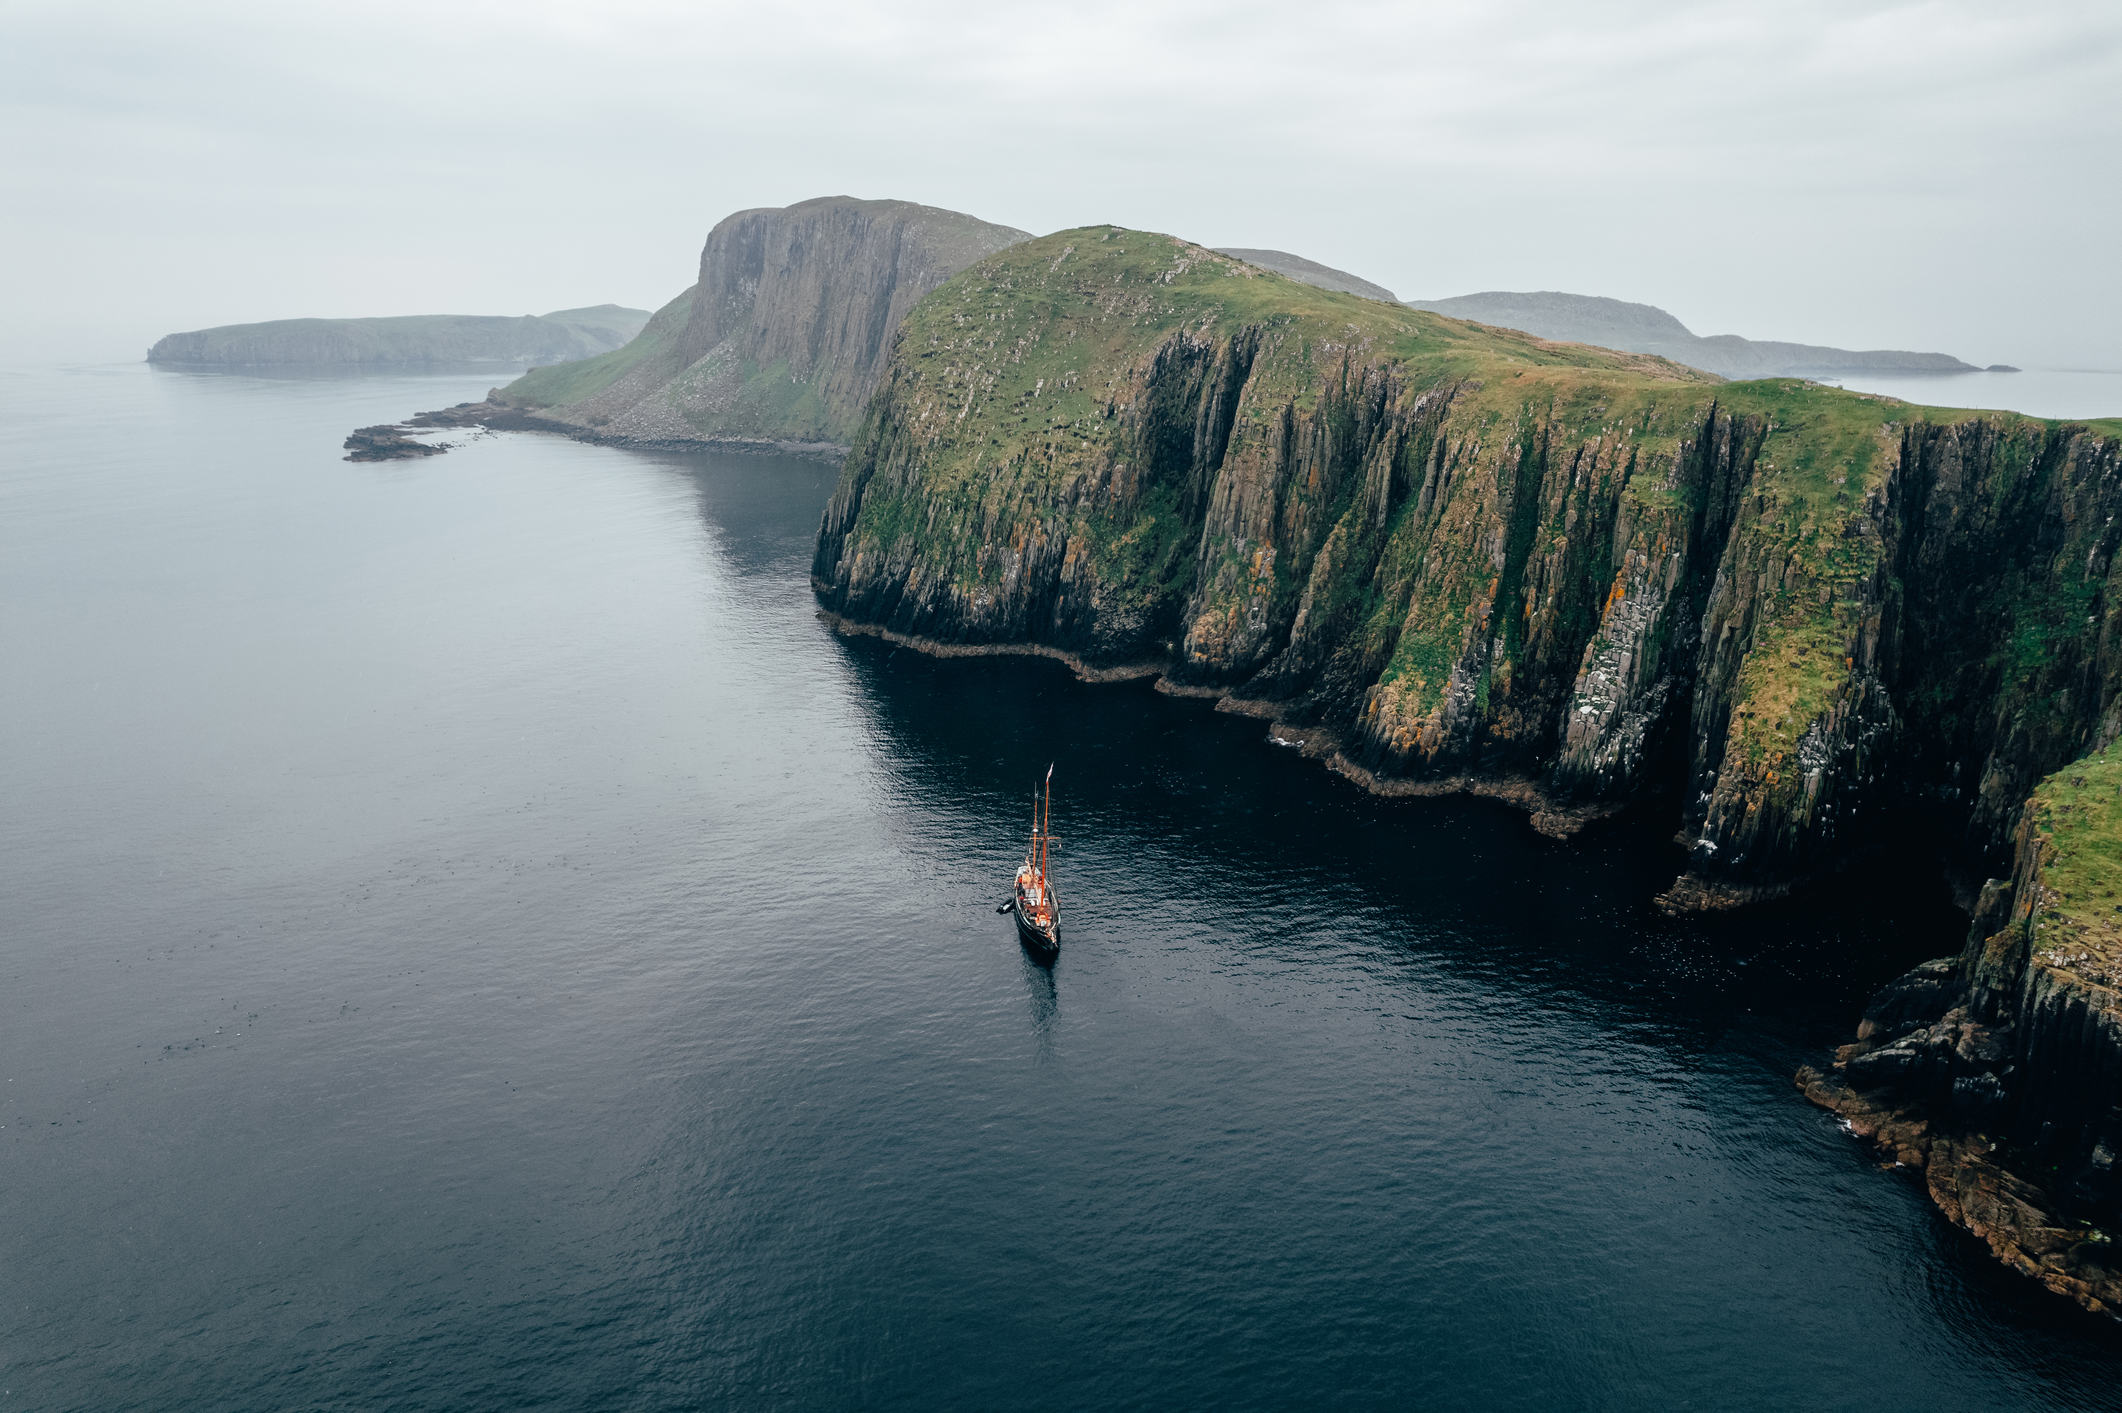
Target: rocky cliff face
column 784, row 335
column 1458, row 553
column 1998, row 1072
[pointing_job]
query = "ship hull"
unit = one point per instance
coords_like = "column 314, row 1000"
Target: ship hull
column 1044, row 943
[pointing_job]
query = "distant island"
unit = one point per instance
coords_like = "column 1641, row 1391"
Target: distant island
column 529, row 340
column 1644, row 328
column 1632, row 328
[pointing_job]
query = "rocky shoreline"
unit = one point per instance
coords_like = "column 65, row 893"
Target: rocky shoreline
column 1976, row 1182
column 394, row 441
column 388, row 443
column 1557, row 819
column 1932, row 1086
column 1997, row 1073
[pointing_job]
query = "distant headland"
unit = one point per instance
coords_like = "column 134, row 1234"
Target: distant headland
column 529, row 340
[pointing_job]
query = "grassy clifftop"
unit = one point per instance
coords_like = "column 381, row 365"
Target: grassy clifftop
column 1017, row 368
column 2075, row 820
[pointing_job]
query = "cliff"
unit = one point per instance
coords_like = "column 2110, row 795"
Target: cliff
column 1644, row 328
column 1997, row 1073
column 420, row 338
column 1457, row 553
column 1447, row 555
column 783, row 336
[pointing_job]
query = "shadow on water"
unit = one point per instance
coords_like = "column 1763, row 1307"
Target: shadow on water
column 1205, row 803
column 761, row 512
column 1044, row 997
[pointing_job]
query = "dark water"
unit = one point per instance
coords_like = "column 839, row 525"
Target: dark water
column 474, row 940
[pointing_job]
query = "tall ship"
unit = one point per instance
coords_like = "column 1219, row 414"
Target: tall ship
column 1038, row 911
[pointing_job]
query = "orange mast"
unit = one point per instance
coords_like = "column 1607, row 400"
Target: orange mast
column 1046, row 814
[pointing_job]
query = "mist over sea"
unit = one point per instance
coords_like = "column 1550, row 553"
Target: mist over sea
column 474, row 939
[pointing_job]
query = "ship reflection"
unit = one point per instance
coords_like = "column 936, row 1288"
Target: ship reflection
column 1045, row 998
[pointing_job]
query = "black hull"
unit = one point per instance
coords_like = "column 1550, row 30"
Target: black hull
column 1033, row 938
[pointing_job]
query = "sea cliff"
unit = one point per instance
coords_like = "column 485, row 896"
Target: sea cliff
column 1453, row 556
column 1997, row 1073
column 1456, row 551
column 779, row 342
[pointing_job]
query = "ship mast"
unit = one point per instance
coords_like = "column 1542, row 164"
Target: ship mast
column 1046, row 814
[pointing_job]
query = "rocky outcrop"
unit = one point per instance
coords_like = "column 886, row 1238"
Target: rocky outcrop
column 1998, row 1072
column 388, row 443
column 412, row 340
column 783, row 337
column 1458, row 553
column 1645, row 328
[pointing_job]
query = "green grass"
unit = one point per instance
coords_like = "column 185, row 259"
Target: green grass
column 562, row 386
column 771, row 402
column 2077, row 814
column 1029, row 341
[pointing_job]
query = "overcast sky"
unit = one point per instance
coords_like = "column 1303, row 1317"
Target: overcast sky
column 1919, row 176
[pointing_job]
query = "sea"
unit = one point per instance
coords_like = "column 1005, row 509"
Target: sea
column 2079, row 393
column 471, row 937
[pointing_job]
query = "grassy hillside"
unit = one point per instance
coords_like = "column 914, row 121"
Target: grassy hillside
column 566, row 384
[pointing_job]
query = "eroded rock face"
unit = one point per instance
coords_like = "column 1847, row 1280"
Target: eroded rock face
column 1998, row 1072
column 785, row 334
column 1459, row 553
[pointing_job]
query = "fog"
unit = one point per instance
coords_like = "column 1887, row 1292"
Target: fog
column 1937, row 176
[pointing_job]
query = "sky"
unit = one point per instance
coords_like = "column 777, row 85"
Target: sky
column 1931, row 176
